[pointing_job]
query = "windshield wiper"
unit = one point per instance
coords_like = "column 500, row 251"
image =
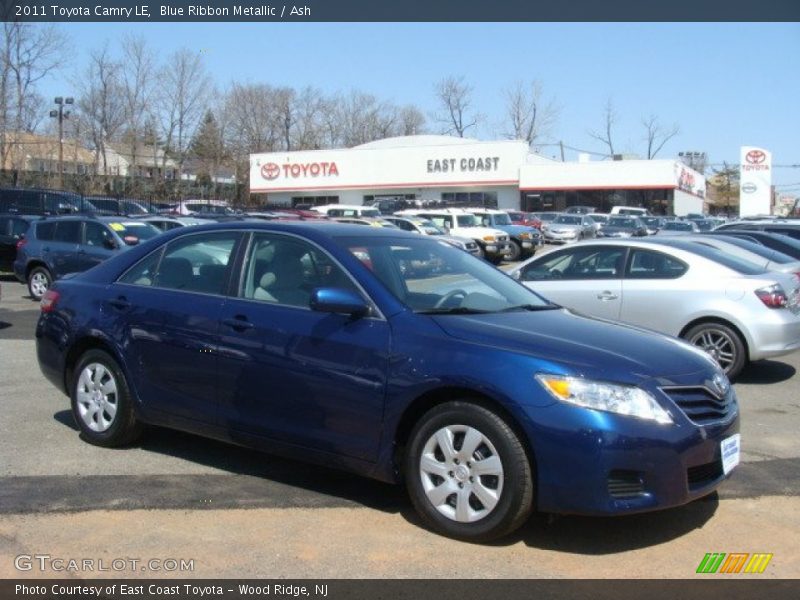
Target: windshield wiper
column 530, row 307
column 456, row 310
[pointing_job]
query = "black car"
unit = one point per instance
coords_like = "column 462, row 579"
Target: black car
column 789, row 228
column 12, row 229
column 776, row 241
column 42, row 202
column 624, row 226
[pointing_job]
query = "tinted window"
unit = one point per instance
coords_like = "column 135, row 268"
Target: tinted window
column 19, row 227
column 739, row 265
column 141, row 231
column 196, row 263
column 68, row 232
column 4, row 225
column 590, row 262
column 97, row 235
column 45, row 231
column 647, row 264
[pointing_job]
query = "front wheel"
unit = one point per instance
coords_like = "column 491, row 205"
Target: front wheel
column 723, row 344
column 101, row 401
column 516, row 251
column 39, row 280
column 467, row 473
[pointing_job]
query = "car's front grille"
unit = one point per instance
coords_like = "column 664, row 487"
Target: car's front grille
column 625, row 484
column 704, row 474
column 700, row 405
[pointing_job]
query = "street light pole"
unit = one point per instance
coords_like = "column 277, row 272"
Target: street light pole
column 61, row 114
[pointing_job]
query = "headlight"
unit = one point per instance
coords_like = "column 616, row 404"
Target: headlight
column 620, row 399
column 488, row 238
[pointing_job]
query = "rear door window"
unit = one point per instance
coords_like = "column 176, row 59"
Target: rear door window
column 45, row 231
column 68, row 232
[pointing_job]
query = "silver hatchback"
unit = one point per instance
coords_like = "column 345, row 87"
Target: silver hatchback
column 732, row 308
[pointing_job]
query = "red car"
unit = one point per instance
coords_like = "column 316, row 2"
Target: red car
column 523, row 218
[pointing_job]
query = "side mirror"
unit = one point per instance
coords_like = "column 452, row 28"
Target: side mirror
column 338, row 301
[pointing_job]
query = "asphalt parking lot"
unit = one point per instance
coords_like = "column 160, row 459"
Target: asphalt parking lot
column 238, row 513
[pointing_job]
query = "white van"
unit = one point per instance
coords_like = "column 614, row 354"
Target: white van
column 629, row 210
column 347, row 210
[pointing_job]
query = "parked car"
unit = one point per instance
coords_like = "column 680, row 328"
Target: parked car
column 653, row 224
column 525, row 218
column 623, row 226
column 776, row 241
column 12, row 230
column 523, row 239
column 769, row 259
column 203, row 208
column 167, row 223
column 54, row 247
column 731, row 308
column 428, row 227
column 568, row 228
column 485, row 399
column 371, row 221
column 31, row 201
column 494, row 244
column 787, row 227
column 119, row 206
column 347, row 210
column 579, row 210
column 545, row 217
column 600, row 220
column 629, row 210
column 673, row 228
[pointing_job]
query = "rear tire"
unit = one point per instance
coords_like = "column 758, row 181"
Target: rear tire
column 467, row 473
column 39, row 281
column 723, row 343
column 102, row 405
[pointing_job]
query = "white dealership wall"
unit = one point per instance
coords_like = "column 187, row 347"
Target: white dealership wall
column 429, row 165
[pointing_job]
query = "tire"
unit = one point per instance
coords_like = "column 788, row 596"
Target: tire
column 444, row 485
column 101, row 401
column 516, row 251
column 39, row 281
column 495, row 259
column 723, row 343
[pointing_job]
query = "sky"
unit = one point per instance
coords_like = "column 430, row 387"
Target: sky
column 724, row 84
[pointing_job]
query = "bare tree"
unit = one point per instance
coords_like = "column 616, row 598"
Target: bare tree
column 411, row 120
column 455, row 98
column 308, row 131
column 285, row 114
column 102, row 104
column 656, row 136
column 606, row 135
column 183, row 89
column 28, row 53
column 138, row 66
column 530, row 116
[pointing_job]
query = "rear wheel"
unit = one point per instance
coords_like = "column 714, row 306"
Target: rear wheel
column 723, row 343
column 39, row 280
column 101, row 401
column 467, row 473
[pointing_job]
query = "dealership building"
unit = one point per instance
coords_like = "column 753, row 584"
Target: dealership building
column 465, row 172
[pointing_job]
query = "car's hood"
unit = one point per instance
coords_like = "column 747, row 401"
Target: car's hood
column 591, row 347
column 480, row 232
column 564, row 227
column 517, row 229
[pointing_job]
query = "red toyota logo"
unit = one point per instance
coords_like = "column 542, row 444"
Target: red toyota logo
column 270, row 170
column 755, row 157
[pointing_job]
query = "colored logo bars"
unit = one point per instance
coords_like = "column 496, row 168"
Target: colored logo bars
column 736, row 562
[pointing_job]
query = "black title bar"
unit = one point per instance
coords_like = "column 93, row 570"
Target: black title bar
column 399, row 10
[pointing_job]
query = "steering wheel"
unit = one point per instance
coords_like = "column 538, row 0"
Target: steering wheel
column 441, row 302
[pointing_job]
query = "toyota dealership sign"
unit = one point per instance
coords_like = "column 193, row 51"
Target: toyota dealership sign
column 755, row 182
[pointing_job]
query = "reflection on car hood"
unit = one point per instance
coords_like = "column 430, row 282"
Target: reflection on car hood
column 583, row 343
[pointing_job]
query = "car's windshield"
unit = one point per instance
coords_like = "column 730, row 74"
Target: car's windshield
column 139, row 230
column 429, row 227
column 652, row 221
column 567, row 220
column 622, row 222
column 370, row 212
column 431, row 276
column 502, row 219
column 678, row 226
column 467, row 221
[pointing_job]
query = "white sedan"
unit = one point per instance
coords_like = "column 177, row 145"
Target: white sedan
column 733, row 309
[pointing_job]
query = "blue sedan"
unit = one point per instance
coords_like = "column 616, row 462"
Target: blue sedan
column 395, row 356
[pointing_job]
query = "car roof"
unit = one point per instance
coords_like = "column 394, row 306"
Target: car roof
column 310, row 229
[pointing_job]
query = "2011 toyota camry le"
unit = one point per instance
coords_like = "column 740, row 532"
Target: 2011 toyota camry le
column 329, row 343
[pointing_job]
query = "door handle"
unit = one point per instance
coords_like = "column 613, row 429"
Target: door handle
column 238, row 323
column 605, row 296
column 120, row 303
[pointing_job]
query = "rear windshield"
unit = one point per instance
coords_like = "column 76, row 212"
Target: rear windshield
column 740, row 265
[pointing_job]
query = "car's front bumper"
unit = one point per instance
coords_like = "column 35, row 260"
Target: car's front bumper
column 585, row 458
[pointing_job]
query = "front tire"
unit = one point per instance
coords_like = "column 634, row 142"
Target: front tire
column 516, row 251
column 724, row 344
column 467, row 473
column 101, row 401
column 39, row 281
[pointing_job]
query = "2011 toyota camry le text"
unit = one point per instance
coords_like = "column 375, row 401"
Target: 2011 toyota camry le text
column 395, row 356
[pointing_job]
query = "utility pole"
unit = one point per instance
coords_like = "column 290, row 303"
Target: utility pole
column 61, row 114
column 560, row 143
